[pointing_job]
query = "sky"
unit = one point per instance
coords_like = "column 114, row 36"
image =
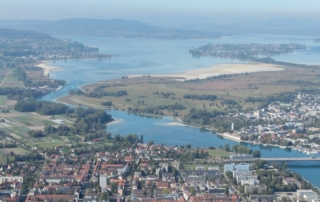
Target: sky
column 158, row 11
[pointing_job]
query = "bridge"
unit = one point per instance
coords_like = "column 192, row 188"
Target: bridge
column 299, row 159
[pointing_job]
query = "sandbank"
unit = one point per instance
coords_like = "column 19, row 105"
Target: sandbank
column 116, row 121
column 175, row 124
column 47, row 68
column 216, row 70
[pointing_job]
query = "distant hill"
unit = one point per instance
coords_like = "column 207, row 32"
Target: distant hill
column 17, row 34
column 97, row 27
column 81, row 26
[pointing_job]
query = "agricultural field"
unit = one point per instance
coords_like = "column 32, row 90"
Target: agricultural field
column 18, row 124
column 7, row 79
column 236, row 87
column 17, row 150
column 3, row 100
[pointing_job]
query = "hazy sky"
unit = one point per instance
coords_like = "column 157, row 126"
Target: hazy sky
column 157, row 10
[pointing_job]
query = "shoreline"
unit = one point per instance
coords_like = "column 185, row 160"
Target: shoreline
column 220, row 69
column 114, row 122
column 47, row 68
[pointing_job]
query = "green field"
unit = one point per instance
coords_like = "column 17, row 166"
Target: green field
column 4, row 160
column 16, row 150
column 218, row 153
column 3, row 100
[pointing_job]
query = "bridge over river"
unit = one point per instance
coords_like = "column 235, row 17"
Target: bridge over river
column 304, row 160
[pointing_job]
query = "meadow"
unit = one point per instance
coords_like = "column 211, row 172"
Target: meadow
column 235, row 87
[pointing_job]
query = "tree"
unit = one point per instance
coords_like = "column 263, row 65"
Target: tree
column 114, row 188
column 226, row 147
column 188, row 146
column 226, row 191
column 150, row 143
column 104, row 196
column 166, row 191
column 256, row 154
column 141, row 138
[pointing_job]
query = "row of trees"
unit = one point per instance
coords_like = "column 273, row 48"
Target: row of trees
column 200, row 97
column 19, row 93
column 42, row 107
column 99, row 93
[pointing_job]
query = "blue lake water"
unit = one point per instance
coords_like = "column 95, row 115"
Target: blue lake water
column 152, row 56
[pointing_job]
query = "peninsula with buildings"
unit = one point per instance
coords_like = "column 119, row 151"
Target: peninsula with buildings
column 245, row 51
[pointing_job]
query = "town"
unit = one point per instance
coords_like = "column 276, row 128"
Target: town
column 292, row 124
column 148, row 172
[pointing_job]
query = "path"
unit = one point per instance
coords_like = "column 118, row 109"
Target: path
column 5, row 78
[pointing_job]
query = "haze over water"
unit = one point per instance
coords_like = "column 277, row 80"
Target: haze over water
column 152, row 56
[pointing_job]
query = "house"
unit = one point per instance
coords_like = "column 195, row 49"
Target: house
column 128, row 158
column 255, row 189
column 90, row 197
column 162, row 184
column 263, row 198
column 168, row 177
column 287, row 181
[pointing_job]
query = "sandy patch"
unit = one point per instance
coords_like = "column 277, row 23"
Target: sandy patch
column 36, row 127
column 11, row 102
column 47, row 68
column 8, row 115
column 14, row 135
column 175, row 124
column 217, row 70
column 116, row 121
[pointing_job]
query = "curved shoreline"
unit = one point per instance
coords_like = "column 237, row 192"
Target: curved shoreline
column 221, row 69
column 47, row 68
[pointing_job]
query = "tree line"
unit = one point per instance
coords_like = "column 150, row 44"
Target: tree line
column 200, row 97
column 42, row 107
column 99, row 93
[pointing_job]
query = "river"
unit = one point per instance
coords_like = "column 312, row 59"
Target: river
column 152, row 56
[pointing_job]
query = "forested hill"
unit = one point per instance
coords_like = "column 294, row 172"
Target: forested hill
column 26, row 34
column 98, row 27
column 81, row 26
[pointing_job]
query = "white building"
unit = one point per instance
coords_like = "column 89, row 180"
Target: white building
column 103, row 180
column 306, row 195
column 11, row 179
column 246, row 177
column 231, row 167
column 237, row 173
column 250, row 182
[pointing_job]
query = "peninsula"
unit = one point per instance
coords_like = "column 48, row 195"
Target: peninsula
column 245, row 51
